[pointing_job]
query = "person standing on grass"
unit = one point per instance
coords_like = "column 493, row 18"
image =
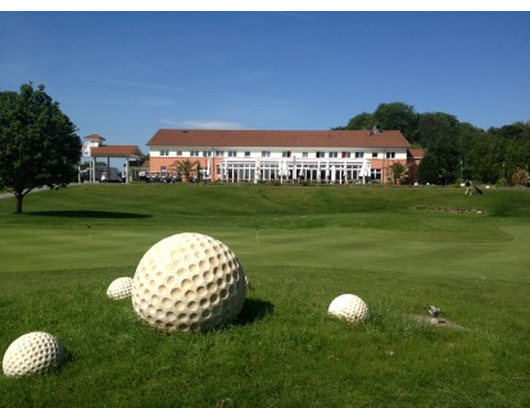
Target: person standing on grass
column 469, row 185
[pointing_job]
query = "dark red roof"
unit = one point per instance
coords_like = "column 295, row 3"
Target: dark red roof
column 417, row 153
column 278, row 138
column 116, row 151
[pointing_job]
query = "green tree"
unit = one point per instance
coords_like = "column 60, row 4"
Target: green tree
column 429, row 170
column 484, row 157
column 398, row 173
column 38, row 143
column 515, row 145
column 185, row 168
column 398, row 116
column 364, row 121
column 435, row 128
column 437, row 132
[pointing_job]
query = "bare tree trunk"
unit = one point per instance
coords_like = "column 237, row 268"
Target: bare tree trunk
column 20, row 198
column 20, row 194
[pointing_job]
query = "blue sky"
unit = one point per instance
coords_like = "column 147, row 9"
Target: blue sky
column 124, row 75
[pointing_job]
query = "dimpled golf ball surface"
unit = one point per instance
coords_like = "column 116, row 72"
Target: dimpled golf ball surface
column 188, row 281
column 349, row 308
column 120, row 288
column 33, row 353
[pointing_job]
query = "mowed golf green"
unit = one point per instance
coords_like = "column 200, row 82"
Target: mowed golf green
column 399, row 249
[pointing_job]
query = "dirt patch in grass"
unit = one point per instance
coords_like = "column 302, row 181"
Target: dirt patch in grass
column 438, row 322
column 451, row 209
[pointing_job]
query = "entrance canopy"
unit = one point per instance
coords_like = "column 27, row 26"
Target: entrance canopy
column 94, row 149
column 130, row 152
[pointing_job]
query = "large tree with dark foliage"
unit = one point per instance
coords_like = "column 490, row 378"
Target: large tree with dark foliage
column 38, row 143
column 429, row 170
column 398, row 116
column 387, row 116
column 364, row 121
column 438, row 133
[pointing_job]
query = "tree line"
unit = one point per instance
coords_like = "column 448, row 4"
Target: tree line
column 455, row 150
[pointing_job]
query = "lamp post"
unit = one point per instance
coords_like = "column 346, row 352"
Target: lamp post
column 461, row 170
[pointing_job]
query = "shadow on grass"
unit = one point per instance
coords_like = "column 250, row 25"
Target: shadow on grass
column 253, row 310
column 90, row 214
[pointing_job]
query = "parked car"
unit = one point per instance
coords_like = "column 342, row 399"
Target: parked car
column 112, row 175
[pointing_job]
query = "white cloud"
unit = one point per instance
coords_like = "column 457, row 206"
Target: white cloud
column 202, row 125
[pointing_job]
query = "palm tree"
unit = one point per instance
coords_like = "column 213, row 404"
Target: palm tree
column 185, row 168
column 398, row 173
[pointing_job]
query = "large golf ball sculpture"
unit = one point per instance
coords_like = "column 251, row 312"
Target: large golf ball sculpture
column 188, row 281
column 33, row 353
column 349, row 308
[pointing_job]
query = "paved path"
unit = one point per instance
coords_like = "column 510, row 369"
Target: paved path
column 8, row 195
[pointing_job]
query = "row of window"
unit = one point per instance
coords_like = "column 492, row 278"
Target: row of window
column 267, row 153
column 248, row 173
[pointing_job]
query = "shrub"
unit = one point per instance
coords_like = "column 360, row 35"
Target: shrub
column 502, row 182
column 520, row 177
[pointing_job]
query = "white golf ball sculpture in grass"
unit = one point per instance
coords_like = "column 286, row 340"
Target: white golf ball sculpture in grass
column 349, row 308
column 188, row 281
column 33, row 353
column 120, row 288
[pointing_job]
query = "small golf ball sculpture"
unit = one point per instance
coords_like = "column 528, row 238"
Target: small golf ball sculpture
column 349, row 308
column 33, row 353
column 188, row 281
column 120, row 288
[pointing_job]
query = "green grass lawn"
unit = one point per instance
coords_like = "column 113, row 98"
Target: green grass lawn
column 400, row 249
